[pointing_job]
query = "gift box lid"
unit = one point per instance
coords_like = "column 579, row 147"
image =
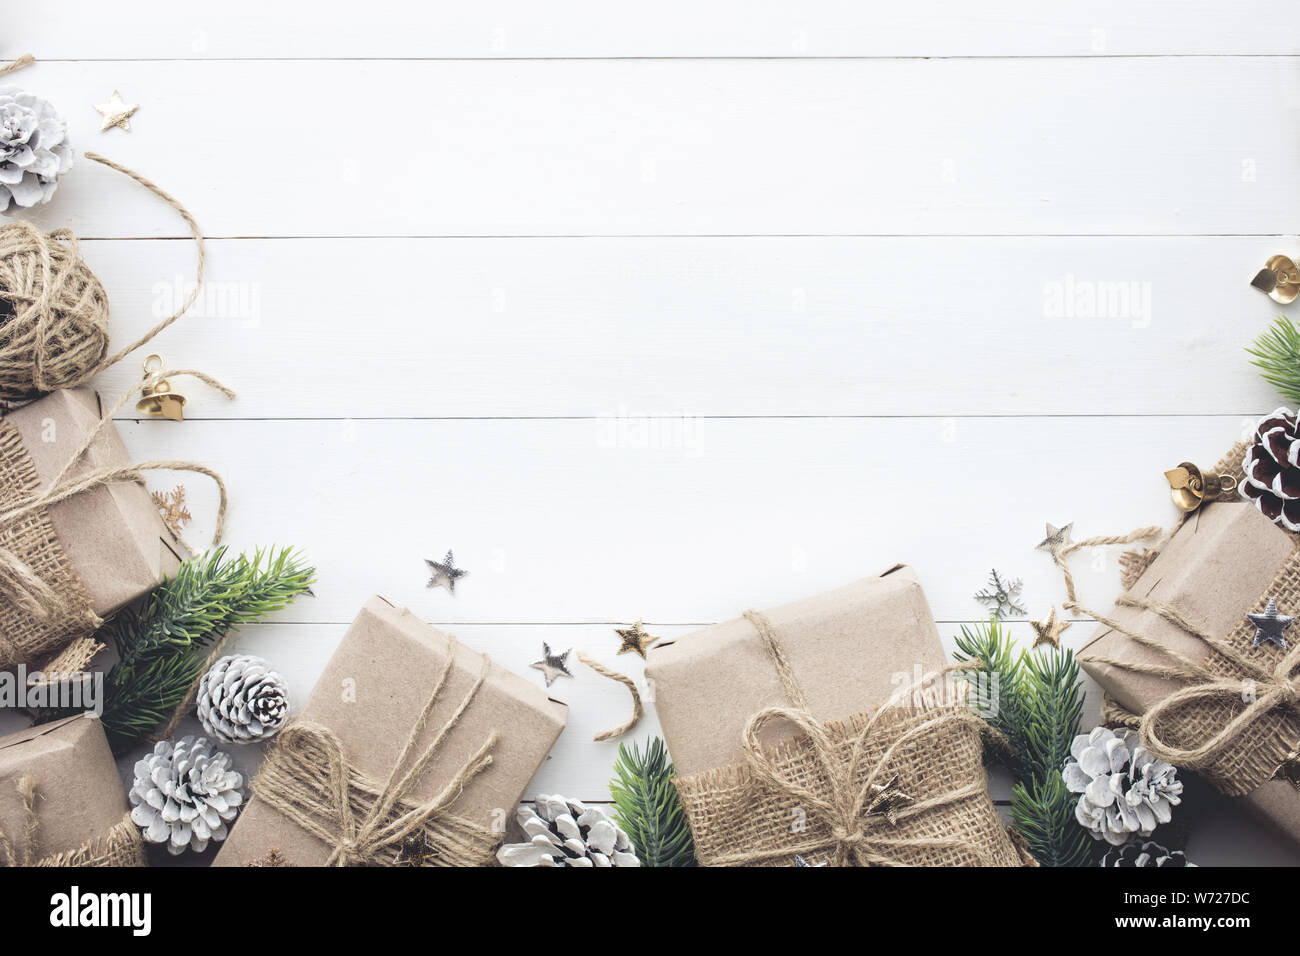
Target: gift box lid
column 850, row 649
column 79, row 794
column 113, row 536
column 370, row 694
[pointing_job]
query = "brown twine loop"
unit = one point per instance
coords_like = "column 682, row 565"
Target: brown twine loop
column 627, row 682
column 858, row 817
column 1262, row 691
column 53, row 310
column 119, row 846
column 306, row 777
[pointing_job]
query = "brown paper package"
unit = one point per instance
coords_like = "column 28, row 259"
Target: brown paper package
column 850, row 648
column 370, row 695
column 1212, row 570
column 113, row 536
column 79, row 793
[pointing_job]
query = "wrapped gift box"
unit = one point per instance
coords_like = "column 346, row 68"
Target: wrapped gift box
column 371, row 695
column 1224, row 562
column 79, row 801
column 107, row 545
column 851, row 651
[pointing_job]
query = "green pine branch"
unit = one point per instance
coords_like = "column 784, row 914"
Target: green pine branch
column 161, row 645
column 647, row 807
column 1277, row 356
column 1035, row 699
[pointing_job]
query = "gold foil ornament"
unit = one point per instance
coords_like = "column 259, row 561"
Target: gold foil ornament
column 1279, row 279
column 1190, row 489
column 158, row 400
column 116, row 112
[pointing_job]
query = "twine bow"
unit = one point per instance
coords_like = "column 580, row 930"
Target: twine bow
column 857, row 816
column 1261, row 691
column 306, row 777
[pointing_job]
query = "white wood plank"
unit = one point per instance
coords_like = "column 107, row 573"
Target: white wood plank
column 697, row 327
column 567, row 521
column 699, row 147
column 83, row 29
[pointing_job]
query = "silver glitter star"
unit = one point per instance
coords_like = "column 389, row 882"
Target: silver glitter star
column 444, row 572
column 553, row 665
column 1057, row 538
column 800, row 861
column 1270, row 625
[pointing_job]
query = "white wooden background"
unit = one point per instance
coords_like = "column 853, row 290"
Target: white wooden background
column 673, row 311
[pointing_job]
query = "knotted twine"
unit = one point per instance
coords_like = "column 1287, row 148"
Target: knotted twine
column 1237, row 719
column 307, row 778
column 855, row 804
column 120, row 845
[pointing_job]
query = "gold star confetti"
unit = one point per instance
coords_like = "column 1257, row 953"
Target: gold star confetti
column 1048, row 630
column 116, row 112
column 634, row 639
column 1057, row 538
column 552, row 665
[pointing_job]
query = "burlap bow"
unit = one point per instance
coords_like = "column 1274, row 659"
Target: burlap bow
column 307, row 778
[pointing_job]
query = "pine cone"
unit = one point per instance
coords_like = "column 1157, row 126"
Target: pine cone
column 185, row 794
column 565, row 832
column 1143, row 853
column 241, row 700
column 1124, row 790
column 1272, row 469
column 34, row 150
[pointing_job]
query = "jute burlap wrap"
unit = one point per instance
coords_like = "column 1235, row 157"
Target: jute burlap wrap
column 43, row 605
column 120, row 845
column 306, row 777
column 900, row 786
column 1236, row 719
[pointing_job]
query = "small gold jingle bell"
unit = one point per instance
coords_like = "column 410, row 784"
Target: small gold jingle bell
column 158, row 399
column 1190, row 489
column 1279, row 280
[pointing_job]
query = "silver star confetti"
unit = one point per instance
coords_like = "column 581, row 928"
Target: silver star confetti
column 1057, row 538
column 116, row 112
column 552, row 665
column 1269, row 625
column 444, row 572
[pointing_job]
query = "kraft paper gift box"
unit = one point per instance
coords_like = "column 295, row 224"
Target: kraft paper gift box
column 107, row 545
column 1224, row 562
column 77, row 797
column 369, row 697
column 851, row 650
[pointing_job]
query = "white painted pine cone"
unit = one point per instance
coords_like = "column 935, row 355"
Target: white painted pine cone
column 241, row 700
column 1272, row 469
column 34, row 150
column 1124, row 790
column 185, row 794
column 564, row 832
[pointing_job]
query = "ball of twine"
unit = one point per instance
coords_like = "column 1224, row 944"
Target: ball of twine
column 53, row 313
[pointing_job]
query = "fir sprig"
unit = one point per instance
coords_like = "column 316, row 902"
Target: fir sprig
column 647, row 807
column 161, row 645
column 1036, row 701
column 1277, row 356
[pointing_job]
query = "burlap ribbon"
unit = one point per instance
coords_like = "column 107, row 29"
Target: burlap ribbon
column 1237, row 720
column 307, row 778
column 34, row 574
column 856, row 804
column 120, row 845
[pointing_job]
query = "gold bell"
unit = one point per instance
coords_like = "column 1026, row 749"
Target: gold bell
column 1190, row 489
column 158, row 399
column 1279, row 279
